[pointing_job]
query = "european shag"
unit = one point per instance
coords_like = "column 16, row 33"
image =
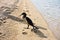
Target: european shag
column 29, row 21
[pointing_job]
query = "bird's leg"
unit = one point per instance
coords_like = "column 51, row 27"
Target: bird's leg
column 33, row 27
column 28, row 26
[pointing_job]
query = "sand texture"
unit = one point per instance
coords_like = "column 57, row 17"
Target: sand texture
column 13, row 27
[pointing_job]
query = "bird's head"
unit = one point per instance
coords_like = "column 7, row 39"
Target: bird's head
column 24, row 14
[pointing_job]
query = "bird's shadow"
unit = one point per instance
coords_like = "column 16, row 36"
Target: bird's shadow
column 39, row 33
column 14, row 18
column 7, row 14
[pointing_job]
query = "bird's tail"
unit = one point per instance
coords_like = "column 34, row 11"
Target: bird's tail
column 35, row 27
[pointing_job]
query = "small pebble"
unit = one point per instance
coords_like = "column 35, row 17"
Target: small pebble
column 24, row 33
column 4, row 22
column 0, row 33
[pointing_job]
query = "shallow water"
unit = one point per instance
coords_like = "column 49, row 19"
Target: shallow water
column 50, row 10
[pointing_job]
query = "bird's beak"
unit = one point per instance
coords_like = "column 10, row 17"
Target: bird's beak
column 21, row 14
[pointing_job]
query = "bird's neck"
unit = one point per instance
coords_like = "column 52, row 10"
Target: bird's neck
column 24, row 16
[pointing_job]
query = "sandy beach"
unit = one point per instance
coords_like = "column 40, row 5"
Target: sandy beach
column 13, row 27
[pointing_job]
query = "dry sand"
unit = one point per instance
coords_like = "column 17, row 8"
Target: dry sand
column 15, row 27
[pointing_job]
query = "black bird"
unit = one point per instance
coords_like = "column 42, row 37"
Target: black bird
column 29, row 21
